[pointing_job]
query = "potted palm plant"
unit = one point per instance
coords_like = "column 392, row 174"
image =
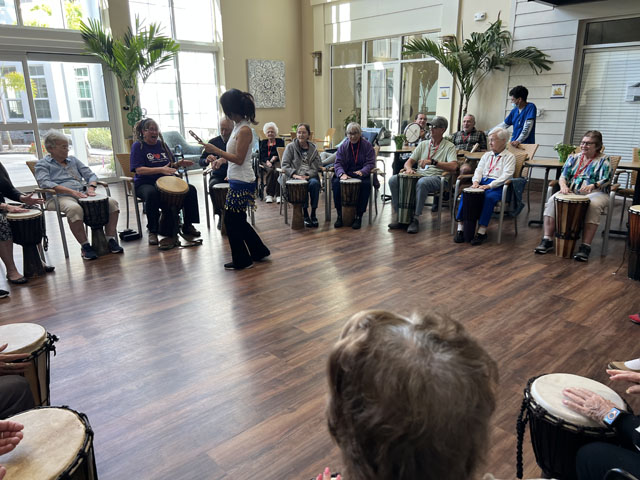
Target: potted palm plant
column 135, row 56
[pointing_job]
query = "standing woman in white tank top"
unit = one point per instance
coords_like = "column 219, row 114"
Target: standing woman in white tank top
column 246, row 245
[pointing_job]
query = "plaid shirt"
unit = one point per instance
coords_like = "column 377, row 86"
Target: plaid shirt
column 466, row 142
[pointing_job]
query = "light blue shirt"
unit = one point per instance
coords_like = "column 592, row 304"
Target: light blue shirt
column 73, row 174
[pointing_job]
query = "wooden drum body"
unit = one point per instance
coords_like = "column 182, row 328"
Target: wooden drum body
column 557, row 433
column 297, row 192
column 32, row 339
column 407, row 196
column 634, row 242
column 96, row 216
column 220, row 191
column 472, row 202
column 570, row 212
column 349, row 194
column 173, row 191
column 26, row 230
column 57, row 444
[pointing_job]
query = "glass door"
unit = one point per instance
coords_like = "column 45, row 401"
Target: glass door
column 381, row 96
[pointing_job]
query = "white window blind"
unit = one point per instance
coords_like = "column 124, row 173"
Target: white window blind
column 602, row 99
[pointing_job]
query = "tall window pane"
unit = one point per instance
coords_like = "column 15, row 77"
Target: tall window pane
column 159, row 99
column 383, row 50
column 56, row 13
column 346, row 54
column 151, row 11
column 419, row 90
column 346, row 88
column 194, row 20
column 199, row 99
column 8, row 12
column 17, row 147
column 13, row 93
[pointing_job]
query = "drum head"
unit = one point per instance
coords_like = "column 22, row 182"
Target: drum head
column 351, row 180
column 22, row 337
column 473, row 190
column 547, row 392
column 221, row 185
column 24, row 215
column 634, row 209
column 172, row 184
column 296, row 181
column 52, row 439
column 571, row 197
column 96, row 198
column 412, row 132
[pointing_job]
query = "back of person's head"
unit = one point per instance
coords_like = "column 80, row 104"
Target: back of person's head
column 519, row 92
column 410, row 398
column 236, row 102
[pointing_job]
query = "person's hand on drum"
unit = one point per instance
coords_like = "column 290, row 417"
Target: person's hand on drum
column 15, row 209
column 91, row 191
column 10, row 435
column 77, row 194
column 626, row 376
column 295, row 176
column 358, row 172
column 475, row 185
column 484, row 187
column 344, row 176
column 587, row 403
column 31, row 200
column 564, row 189
column 8, row 368
column 167, row 170
column 326, row 475
column 184, row 162
column 586, row 189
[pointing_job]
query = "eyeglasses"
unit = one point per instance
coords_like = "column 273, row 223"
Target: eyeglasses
column 587, row 143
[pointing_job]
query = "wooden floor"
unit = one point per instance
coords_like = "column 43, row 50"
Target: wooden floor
column 188, row 371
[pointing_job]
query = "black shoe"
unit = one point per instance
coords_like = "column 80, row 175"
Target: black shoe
column 414, row 226
column 87, row 252
column 357, row 222
column 4, row 294
column 545, row 246
column 583, row 253
column 314, row 221
column 338, row 223
column 114, row 247
column 478, row 239
column 262, row 257
column 394, row 226
column 232, row 266
column 48, row 268
column 434, row 207
column 459, row 238
column 17, row 281
column 307, row 222
column 190, row 231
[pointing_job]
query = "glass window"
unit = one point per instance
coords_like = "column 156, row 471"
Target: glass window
column 17, row 147
column 8, row 12
column 13, row 93
column 346, row 54
column 151, row 11
column 56, row 13
column 419, row 91
column 346, row 88
column 383, row 50
column 199, row 99
column 83, row 85
column 93, row 147
column 409, row 38
column 613, row 31
column 159, row 98
column 194, row 20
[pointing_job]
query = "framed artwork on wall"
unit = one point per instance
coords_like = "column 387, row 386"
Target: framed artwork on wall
column 267, row 83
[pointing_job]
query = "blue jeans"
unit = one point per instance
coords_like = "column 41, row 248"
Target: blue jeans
column 491, row 197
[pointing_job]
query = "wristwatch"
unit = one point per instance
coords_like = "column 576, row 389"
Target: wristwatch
column 611, row 416
column 434, row 163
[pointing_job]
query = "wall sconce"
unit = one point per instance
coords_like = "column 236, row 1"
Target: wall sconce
column 317, row 63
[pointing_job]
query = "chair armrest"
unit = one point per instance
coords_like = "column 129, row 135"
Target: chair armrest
column 466, row 176
column 126, row 179
column 47, row 190
column 554, row 183
column 104, row 184
column 615, row 187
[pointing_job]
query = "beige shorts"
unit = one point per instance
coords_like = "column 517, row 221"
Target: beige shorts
column 599, row 203
column 72, row 209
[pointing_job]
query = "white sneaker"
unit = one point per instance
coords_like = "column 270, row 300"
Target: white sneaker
column 269, row 199
column 278, row 199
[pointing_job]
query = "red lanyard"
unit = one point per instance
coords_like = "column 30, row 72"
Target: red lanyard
column 269, row 145
column 464, row 139
column 355, row 154
column 580, row 170
column 434, row 152
column 492, row 165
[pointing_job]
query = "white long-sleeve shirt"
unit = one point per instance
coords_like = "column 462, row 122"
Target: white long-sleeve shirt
column 498, row 166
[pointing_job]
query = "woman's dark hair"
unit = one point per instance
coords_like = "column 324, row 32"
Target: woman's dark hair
column 240, row 103
column 596, row 136
column 519, row 92
column 306, row 126
column 141, row 126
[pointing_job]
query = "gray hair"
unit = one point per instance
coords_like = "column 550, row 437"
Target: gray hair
column 354, row 125
column 52, row 137
column 269, row 125
column 470, row 115
column 501, row 133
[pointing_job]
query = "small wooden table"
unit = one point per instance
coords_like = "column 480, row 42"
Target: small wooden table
column 397, row 164
column 633, row 165
column 547, row 164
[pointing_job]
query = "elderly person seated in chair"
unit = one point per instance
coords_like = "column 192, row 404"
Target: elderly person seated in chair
column 444, row 381
column 270, row 160
column 72, row 179
column 586, row 173
column 432, row 159
column 494, row 169
column 467, row 138
column 302, row 162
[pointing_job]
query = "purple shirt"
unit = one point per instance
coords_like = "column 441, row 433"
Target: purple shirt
column 143, row 155
column 352, row 157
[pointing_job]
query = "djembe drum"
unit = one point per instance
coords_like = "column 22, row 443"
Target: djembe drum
column 173, row 191
column 32, row 339
column 297, row 191
column 220, row 191
column 57, row 444
column 96, row 216
column 570, row 212
column 349, row 194
column 557, row 433
column 634, row 242
column 407, row 196
column 472, row 202
column 26, row 230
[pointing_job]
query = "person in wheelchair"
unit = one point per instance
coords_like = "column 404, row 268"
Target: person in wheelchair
column 151, row 159
column 270, row 160
column 301, row 161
